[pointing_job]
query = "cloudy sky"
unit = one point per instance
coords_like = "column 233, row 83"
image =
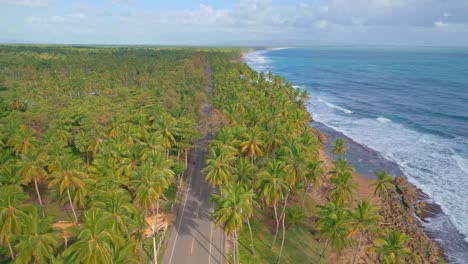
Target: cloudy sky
column 241, row 22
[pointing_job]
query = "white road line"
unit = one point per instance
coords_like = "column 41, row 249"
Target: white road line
column 191, row 249
column 181, row 217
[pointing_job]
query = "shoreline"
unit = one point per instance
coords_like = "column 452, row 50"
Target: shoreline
column 404, row 209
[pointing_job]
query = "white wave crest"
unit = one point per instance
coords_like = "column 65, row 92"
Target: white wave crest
column 428, row 161
column 383, row 119
column 344, row 110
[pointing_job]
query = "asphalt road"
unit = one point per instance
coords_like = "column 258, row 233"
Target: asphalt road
column 194, row 238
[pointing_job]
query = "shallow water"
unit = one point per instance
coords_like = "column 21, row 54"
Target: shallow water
column 405, row 111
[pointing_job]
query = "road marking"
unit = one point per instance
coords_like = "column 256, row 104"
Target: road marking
column 191, row 250
column 211, row 238
column 181, row 217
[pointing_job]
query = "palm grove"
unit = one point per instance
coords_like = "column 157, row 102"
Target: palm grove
column 98, row 137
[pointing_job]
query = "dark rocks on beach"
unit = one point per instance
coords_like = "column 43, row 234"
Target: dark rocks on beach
column 322, row 137
column 400, row 209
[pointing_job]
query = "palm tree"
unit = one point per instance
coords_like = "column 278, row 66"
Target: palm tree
column 314, row 171
column 341, row 167
column 339, row 147
column 383, row 183
column 168, row 128
column 22, row 140
column 392, row 246
column 295, row 156
column 38, row 241
column 219, row 168
column 332, row 226
column 273, row 187
column 11, row 213
column 252, row 143
column 363, row 218
column 153, row 179
column 118, row 204
column 343, row 188
column 233, row 206
column 68, row 177
column 96, row 240
column 244, row 171
column 32, row 166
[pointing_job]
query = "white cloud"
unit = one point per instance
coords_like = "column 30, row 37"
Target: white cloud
column 440, row 24
column 31, row 3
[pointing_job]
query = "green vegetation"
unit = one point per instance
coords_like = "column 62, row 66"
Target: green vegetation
column 92, row 141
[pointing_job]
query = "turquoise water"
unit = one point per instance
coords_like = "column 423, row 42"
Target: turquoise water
column 410, row 106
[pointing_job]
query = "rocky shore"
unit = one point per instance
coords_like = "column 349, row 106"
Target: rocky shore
column 405, row 209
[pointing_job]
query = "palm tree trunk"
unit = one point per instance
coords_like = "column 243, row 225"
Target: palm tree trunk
column 12, row 253
column 71, row 204
column 186, row 158
column 234, row 248
column 305, row 195
column 323, row 252
column 284, row 228
column 236, row 241
column 155, row 251
column 277, row 226
column 251, row 237
column 39, row 196
column 357, row 250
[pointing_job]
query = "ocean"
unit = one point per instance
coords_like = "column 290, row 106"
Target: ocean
column 404, row 110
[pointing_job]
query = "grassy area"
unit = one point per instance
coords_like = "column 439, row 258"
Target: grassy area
column 301, row 244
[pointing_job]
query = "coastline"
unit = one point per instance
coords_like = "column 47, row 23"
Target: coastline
column 429, row 216
column 404, row 209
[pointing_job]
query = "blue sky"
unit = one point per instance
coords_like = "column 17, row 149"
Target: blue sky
column 242, row 22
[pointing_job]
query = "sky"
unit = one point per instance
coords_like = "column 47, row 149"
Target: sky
column 241, row 22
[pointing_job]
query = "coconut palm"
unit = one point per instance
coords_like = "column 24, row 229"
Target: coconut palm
column 38, row 241
column 68, row 178
column 118, row 204
column 341, row 167
column 343, row 188
column 332, row 225
column 339, row 147
column 168, row 128
column 233, row 206
column 383, row 184
column 295, row 157
column 244, row 171
column 274, row 187
column 314, row 171
column 31, row 168
column 364, row 217
column 391, row 246
column 8, row 173
column 219, row 168
column 95, row 239
column 22, row 140
column 11, row 213
column 154, row 177
column 252, row 143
